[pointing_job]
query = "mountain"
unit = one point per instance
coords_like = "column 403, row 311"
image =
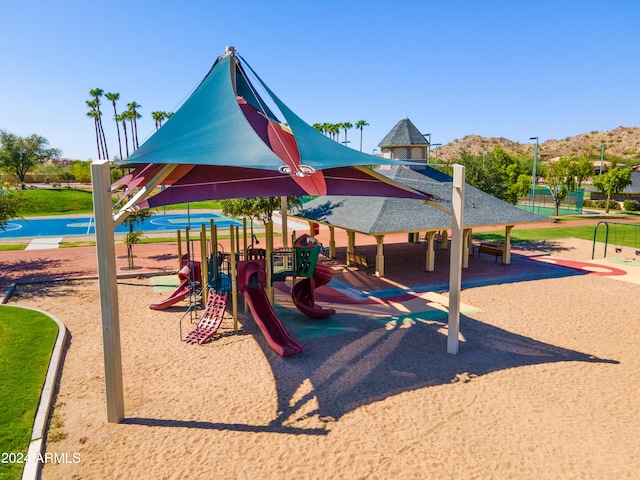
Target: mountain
column 621, row 142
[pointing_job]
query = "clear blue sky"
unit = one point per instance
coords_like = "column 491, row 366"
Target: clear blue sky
column 504, row 68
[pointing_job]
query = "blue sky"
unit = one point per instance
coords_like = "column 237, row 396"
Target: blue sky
column 513, row 69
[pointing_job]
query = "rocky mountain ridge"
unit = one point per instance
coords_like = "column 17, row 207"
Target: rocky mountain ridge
column 621, row 142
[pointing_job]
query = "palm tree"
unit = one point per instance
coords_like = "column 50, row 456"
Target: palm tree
column 159, row 116
column 115, row 97
column 123, row 117
column 334, row 130
column 360, row 124
column 95, row 114
column 346, row 126
column 96, row 93
column 317, row 127
column 133, row 106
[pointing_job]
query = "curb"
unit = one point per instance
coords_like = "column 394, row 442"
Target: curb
column 33, row 466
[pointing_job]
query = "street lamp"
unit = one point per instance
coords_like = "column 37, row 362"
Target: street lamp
column 535, row 175
column 374, row 151
column 601, row 158
column 425, row 135
column 436, row 145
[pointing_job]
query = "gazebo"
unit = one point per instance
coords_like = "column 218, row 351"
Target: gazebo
column 378, row 217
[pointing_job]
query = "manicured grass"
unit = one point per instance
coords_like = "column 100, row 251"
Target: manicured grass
column 13, row 246
column 56, row 201
column 63, row 201
column 26, row 343
column 618, row 235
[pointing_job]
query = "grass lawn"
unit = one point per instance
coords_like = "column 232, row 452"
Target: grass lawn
column 26, row 342
column 63, row 201
column 618, row 235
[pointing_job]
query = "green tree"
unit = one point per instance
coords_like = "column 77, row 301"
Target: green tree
column 515, row 181
column 114, row 97
column 612, row 182
column 583, row 170
column 10, row 204
column 360, row 124
column 133, row 236
column 19, row 155
column 261, row 208
column 81, row 171
column 560, row 177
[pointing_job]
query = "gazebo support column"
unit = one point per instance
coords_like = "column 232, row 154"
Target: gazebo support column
column 466, row 241
column 444, row 240
column 380, row 256
column 506, row 252
column 332, row 242
column 108, row 287
column 351, row 244
column 431, row 253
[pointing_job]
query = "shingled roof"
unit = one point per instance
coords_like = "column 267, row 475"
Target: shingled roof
column 375, row 216
column 403, row 134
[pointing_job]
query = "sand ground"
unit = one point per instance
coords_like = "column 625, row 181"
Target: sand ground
column 545, row 386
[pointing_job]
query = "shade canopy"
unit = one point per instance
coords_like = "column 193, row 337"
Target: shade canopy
column 225, row 141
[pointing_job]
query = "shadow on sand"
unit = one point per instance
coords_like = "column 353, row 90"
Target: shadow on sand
column 369, row 362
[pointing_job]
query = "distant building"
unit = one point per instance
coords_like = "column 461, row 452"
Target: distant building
column 405, row 142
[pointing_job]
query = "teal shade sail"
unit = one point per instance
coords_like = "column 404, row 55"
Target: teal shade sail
column 208, row 129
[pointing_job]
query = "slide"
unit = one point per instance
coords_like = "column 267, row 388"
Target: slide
column 252, row 277
column 179, row 294
column 302, row 293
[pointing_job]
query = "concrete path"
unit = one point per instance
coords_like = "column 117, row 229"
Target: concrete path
column 44, row 243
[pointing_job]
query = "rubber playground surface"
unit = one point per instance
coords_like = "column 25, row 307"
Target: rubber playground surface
column 85, row 225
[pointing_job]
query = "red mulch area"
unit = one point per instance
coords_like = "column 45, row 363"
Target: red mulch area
column 24, row 266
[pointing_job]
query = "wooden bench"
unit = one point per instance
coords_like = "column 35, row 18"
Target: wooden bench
column 494, row 249
column 360, row 261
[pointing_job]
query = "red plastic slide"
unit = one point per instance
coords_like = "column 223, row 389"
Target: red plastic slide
column 179, row 294
column 302, row 293
column 251, row 282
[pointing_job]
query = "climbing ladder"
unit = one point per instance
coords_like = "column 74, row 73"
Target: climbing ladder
column 210, row 320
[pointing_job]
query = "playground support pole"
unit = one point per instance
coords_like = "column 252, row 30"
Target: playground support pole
column 244, row 237
column 283, row 215
column 455, row 267
column 269, row 248
column 108, row 287
column 179, row 240
column 234, row 280
column 204, row 270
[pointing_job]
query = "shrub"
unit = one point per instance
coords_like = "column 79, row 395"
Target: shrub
column 631, row 205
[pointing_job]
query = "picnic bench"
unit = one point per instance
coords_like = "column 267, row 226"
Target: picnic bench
column 494, row 249
column 360, row 261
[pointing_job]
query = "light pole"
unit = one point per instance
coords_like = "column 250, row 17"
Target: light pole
column 601, row 158
column 535, row 174
column 425, row 135
column 374, row 151
column 437, row 145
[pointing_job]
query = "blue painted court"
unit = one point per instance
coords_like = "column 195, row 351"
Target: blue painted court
column 76, row 226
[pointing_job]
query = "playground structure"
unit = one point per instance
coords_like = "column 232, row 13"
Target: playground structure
column 619, row 231
column 208, row 284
